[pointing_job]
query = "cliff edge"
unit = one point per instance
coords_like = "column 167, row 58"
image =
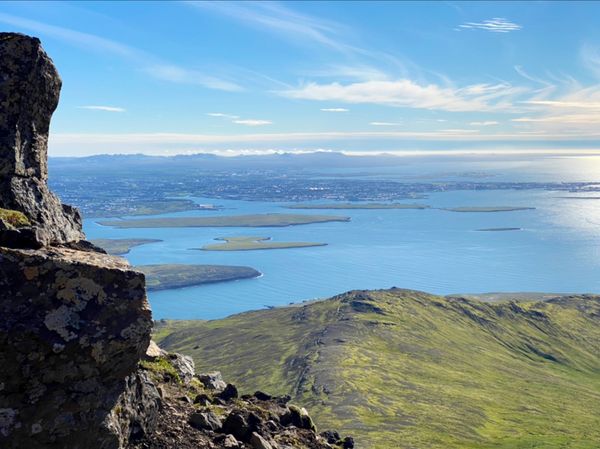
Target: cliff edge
column 77, row 369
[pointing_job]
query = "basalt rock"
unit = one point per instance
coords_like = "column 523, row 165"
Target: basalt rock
column 73, row 326
column 29, row 92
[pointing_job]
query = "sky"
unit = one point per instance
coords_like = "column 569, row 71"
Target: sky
column 251, row 78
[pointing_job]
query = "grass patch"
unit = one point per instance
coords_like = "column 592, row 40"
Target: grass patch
column 14, row 218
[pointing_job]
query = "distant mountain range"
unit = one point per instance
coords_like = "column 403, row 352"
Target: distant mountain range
column 210, row 161
column 405, row 369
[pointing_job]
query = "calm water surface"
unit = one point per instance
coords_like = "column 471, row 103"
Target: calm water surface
column 558, row 250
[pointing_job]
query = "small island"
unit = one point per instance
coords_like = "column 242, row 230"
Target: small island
column 120, row 247
column 487, row 208
column 248, row 243
column 170, row 276
column 256, row 220
column 498, row 229
column 358, row 206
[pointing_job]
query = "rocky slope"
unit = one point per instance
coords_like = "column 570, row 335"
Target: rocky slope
column 405, row 369
column 76, row 369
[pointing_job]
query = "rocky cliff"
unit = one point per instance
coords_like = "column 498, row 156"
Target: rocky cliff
column 76, row 370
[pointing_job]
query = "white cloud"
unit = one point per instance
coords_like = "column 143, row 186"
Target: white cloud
column 221, row 114
column 253, row 122
column 385, row 124
column 495, row 25
column 103, row 108
column 486, row 123
column 335, row 110
column 407, row 93
column 565, row 104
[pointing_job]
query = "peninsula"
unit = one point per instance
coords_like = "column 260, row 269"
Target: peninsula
column 169, row 276
column 120, row 247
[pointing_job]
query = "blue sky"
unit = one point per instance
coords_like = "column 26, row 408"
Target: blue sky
column 180, row 77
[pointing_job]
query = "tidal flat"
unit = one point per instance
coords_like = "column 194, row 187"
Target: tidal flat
column 254, row 220
column 248, row 243
column 487, row 208
column 342, row 206
column 498, row 229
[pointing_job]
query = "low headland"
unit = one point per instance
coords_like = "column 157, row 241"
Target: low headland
column 120, row 247
column 170, row 276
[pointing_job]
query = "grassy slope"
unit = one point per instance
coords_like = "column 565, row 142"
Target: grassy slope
column 402, row 369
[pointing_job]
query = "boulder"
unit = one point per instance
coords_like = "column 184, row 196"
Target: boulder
column 230, row 392
column 73, row 326
column 236, row 425
column 184, row 365
column 212, row 380
column 205, row 420
column 258, row 442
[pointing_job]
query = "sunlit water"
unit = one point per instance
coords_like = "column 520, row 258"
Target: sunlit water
column 557, row 250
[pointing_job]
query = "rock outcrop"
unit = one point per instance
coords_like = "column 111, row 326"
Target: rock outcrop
column 74, row 321
column 29, row 92
column 73, row 326
column 77, row 370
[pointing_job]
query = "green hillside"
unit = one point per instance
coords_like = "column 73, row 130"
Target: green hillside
column 404, row 369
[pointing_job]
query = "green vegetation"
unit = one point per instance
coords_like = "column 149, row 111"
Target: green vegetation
column 14, row 218
column 487, row 209
column 119, row 247
column 257, row 220
column 498, row 229
column 404, row 369
column 167, row 276
column 244, row 243
column 358, row 206
column 162, row 367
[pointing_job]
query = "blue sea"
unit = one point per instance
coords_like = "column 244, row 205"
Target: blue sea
column 438, row 251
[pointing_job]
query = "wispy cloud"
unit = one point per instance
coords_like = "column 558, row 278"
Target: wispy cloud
column 486, row 123
column 275, row 17
column 253, row 122
column 103, row 108
column 407, row 93
column 495, row 25
column 221, row 114
column 334, row 109
column 385, row 123
column 150, row 64
column 176, row 74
